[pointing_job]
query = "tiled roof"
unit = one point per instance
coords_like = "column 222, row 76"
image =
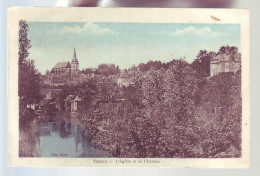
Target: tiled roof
column 62, row 65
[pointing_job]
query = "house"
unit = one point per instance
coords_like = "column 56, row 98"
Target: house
column 59, row 80
column 126, row 78
column 74, row 104
column 227, row 62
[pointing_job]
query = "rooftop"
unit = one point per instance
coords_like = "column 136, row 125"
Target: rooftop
column 227, row 57
column 62, row 65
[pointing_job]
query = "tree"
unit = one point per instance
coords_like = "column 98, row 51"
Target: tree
column 108, row 69
column 151, row 64
column 202, row 63
column 29, row 77
column 28, row 92
column 228, row 50
column 181, row 87
column 152, row 117
column 168, row 106
column 219, row 116
column 24, row 42
column 87, row 91
column 87, row 71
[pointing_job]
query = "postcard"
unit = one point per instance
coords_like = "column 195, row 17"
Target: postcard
column 128, row 87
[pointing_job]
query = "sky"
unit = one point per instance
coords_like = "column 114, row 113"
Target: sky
column 124, row 44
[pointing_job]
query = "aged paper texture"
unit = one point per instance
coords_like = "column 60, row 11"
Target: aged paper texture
column 126, row 87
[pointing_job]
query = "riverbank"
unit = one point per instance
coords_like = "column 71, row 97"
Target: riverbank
column 29, row 141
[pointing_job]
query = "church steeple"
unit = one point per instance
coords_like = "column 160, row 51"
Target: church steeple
column 74, row 63
column 75, row 60
column 75, row 53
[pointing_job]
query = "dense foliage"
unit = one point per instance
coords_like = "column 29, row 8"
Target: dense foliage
column 103, row 69
column 172, row 112
column 29, row 93
column 29, row 78
column 202, row 63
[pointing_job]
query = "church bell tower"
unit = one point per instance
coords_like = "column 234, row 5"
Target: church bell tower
column 74, row 64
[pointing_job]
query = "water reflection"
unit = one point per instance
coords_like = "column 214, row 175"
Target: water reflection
column 65, row 139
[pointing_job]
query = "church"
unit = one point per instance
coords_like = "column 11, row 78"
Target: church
column 67, row 68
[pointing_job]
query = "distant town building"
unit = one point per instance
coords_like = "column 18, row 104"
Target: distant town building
column 74, row 104
column 126, row 78
column 66, row 68
column 62, row 72
column 227, row 62
column 61, row 68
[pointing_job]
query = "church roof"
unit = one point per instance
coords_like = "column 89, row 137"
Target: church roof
column 75, row 60
column 62, row 65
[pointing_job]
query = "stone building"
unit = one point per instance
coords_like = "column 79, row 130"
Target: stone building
column 228, row 62
column 66, row 68
column 61, row 68
column 74, row 104
column 126, row 78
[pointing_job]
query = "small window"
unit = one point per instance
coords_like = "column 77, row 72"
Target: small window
column 213, row 110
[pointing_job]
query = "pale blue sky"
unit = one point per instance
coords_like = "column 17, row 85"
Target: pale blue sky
column 125, row 44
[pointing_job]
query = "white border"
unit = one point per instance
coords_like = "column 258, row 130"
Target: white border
column 155, row 15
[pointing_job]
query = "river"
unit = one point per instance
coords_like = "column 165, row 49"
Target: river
column 64, row 139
